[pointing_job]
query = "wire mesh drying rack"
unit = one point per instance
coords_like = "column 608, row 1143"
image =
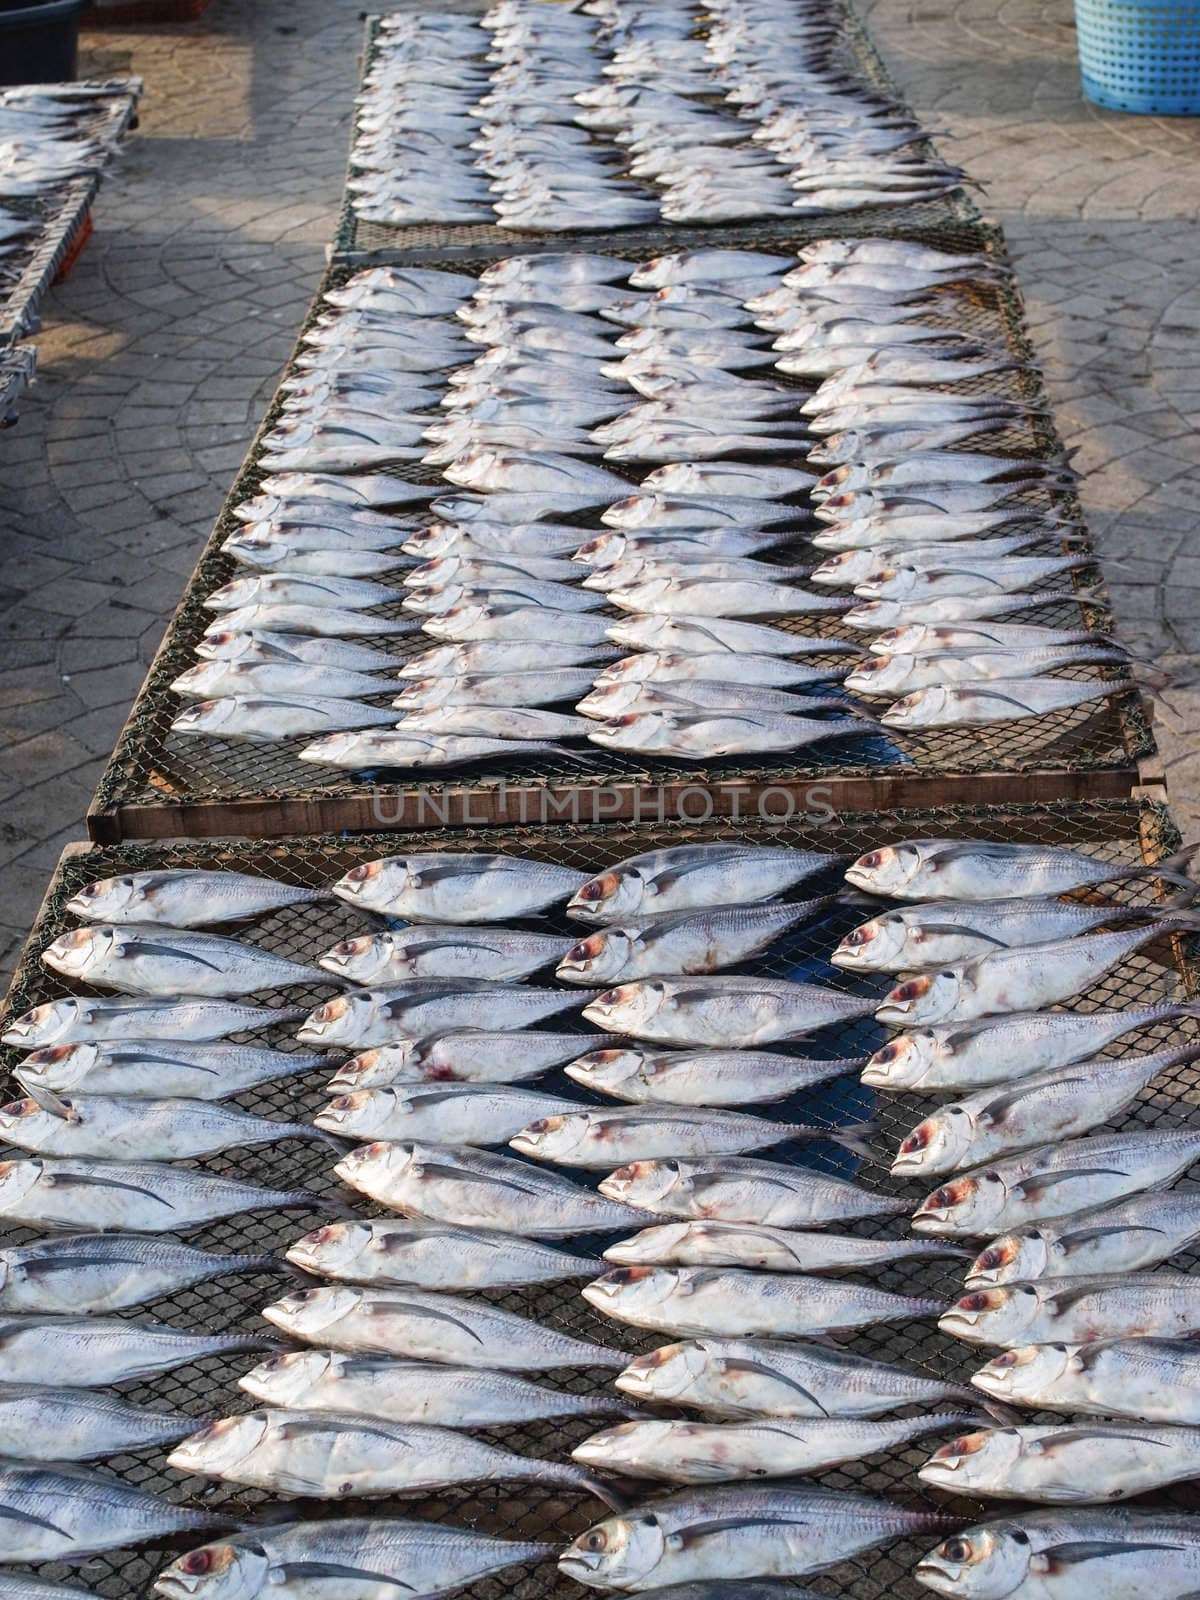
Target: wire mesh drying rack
column 160, row 783
column 354, row 237
column 1125, row 833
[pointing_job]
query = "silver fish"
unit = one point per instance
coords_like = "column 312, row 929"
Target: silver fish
column 265, row 719
column 662, row 667
column 520, row 724
column 430, row 1327
column 424, row 1006
column 923, row 639
column 16, row 1586
column 717, row 1301
column 586, row 1136
column 921, row 938
column 87, row 1352
column 1135, row 1305
column 729, row 1013
column 141, row 959
column 682, row 942
column 120, row 1196
column 692, row 734
column 415, row 750
column 430, row 1255
column 995, row 1050
column 1060, row 1104
column 1061, row 1555
column 702, row 1078
column 80, row 1019
column 231, row 680
column 108, row 1272
column 472, row 1189
column 153, row 1068
column 133, row 1128
column 185, row 898
column 723, row 1452
column 493, row 656
column 475, row 619
column 60, row 1513
column 737, row 1533
column 45, row 1422
column 439, row 951
column 739, row 1189
column 736, row 1244
column 294, row 650
column 499, row 689
column 1057, row 1179
column 748, row 1378
column 1027, row 979
column 971, row 705
column 428, row 1559
column 464, row 1055
column 445, row 1113
column 1141, row 1232
column 287, row 589
column 956, row 869
column 1152, row 1380
column 686, row 877
column 328, row 622
column 715, row 636
column 319, row 1454
column 413, row 1391
column 456, row 886
column 1064, row 1463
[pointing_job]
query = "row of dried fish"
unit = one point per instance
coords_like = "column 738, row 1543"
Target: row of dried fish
column 570, row 120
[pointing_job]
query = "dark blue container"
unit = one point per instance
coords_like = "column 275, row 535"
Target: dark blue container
column 39, row 42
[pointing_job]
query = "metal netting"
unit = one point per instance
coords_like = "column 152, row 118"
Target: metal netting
column 1121, row 832
column 160, row 783
column 354, row 237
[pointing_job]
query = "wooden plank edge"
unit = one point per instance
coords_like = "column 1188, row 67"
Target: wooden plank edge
column 386, row 810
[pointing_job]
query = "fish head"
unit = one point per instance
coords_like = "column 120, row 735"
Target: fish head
column 992, row 1316
column 230, row 596
column 922, row 708
column 657, row 271
column 350, row 1115
column 608, row 1446
column 363, row 958
column 205, row 716
column 635, row 511
column 16, row 1116
column 608, row 895
column 58, row 1066
column 425, row 693
column 605, row 550
column 436, row 600
column 963, row 1205
column 889, row 870
column 599, row 958
column 642, row 1184
column 551, row 1138
column 439, row 538
column 608, row 700
column 238, row 1571
column 626, row 1009
column 458, row 622
column 986, row 1562
column 1012, row 1258
column 226, row 646
column 837, row 569
column 640, row 668
column 17, row 1180
column 630, row 1289
column 106, row 898
column 377, row 1162
column 371, row 883
column 879, row 675
column 831, row 482
column 331, row 1023
column 288, row 1380
column 42, row 1024
column 371, row 1069
column 873, row 946
column 200, row 681
column 929, row 997
column 74, row 954
column 972, row 1458
column 221, row 1446
column 307, row 1313
column 1023, row 1374
column 605, row 1070
column 651, row 1246
column 665, row 1374
column 435, row 571
column 331, row 1251
column 619, row 1553
column 938, row 1144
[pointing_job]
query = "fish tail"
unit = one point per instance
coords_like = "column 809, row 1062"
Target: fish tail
column 856, row 1137
column 302, row 1130
column 1005, row 1415
column 247, row 1341
column 259, row 1264
column 1175, row 868
column 576, row 1478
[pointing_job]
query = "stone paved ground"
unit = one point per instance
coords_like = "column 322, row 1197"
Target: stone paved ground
column 160, row 351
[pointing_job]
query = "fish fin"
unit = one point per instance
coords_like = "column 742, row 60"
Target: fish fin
column 856, row 1138
column 56, row 1105
column 1004, row 1415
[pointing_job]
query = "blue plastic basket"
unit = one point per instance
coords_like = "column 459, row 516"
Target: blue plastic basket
column 1141, row 55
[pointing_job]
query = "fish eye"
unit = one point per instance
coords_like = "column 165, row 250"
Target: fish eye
column 1019, row 1536
column 671, row 1166
column 1034, row 1233
column 871, row 859
column 991, row 1177
column 197, row 1563
column 650, row 1521
column 955, row 1111
column 597, row 1540
column 1029, row 1291
column 1059, row 1349
column 957, row 1550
